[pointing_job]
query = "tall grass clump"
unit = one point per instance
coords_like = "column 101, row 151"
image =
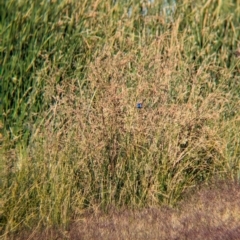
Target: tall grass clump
column 72, row 74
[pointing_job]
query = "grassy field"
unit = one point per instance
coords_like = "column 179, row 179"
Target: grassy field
column 75, row 148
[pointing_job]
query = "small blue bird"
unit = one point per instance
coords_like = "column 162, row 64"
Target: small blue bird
column 139, row 105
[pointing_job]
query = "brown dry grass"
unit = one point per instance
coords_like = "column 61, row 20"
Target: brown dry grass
column 95, row 148
column 176, row 134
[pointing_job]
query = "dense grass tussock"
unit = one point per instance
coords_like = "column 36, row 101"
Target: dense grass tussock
column 72, row 74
